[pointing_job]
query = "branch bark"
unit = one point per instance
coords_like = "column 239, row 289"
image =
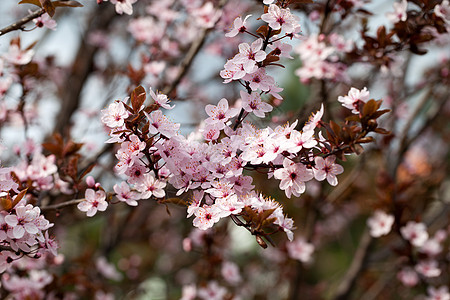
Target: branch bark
column 19, row 25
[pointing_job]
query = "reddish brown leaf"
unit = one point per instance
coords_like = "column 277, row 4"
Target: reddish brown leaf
column 19, row 197
column 138, row 97
column 47, row 5
column 35, row 2
column 70, row 3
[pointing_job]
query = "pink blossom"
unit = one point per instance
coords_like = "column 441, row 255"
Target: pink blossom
column 293, row 177
column 380, row 223
column 206, row 216
column 249, row 55
column 94, row 201
column 300, row 250
column 206, row 16
column 260, row 80
column 327, row 168
column 159, row 123
column 114, row 116
column 399, row 13
column 161, row 100
column 428, row 268
column 415, row 233
column 440, row 293
column 45, row 21
column 238, row 27
column 281, row 49
column 17, row 56
column 220, row 114
column 230, row 272
column 124, row 194
column 124, row 6
column 443, row 11
column 253, row 103
column 189, row 292
column 212, row 292
column 408, row 277
column 354, row 98
column 150, row 186
column 280, row 18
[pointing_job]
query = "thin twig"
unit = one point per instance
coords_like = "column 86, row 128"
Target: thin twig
column 62, row 205
column 19, row 25
column 189, row 58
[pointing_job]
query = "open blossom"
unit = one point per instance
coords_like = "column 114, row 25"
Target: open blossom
column 150, row 186
column 300, row 250
column 238, row 27
column 124, row 194
column 115, row 115
column 161, row 100
column 94, row 201
column 220, row 114
column 159, row 123
column 230, row 272
column 45, row 21
column 281, row 49
column 380, row 223
column 443, row 10
column 124, row 6
column 206, row 16
column 17, row 56
column 23, row 221
column 327, row 168
column 293, row 177
column 281, row 18
column 249, row 55
column 206, row 216
column 415, row 233
column 428, row 268
column 408, row 277
column 440, row 293
column 399, row 13
column 353, row 99
column 253, row 103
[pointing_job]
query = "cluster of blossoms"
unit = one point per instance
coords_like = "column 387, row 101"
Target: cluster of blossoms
column 320, row 56
column 23, row 230
column 153, row 154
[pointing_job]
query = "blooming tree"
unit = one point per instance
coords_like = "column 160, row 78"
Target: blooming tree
column 288, row 170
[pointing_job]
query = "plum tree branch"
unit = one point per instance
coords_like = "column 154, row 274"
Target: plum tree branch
column 19, row 25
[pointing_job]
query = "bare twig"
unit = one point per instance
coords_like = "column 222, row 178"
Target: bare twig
column 62, row 205
column 189, row 58
column 20, row 25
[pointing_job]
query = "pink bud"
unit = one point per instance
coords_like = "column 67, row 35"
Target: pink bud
column 90, row 181
column 187, row 245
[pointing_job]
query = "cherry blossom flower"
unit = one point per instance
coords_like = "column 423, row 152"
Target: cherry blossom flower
column 17, row 56
column 161, row 100
column 189, row 292
column 293, row 177
column 408, row 277
column 300, row 250
column 443, row 11
column 238, row 27
column 399, row 13
column 327, row 168
column 280, row 18
column 428, row 268
column 94, row 201
column 230, row 272
column 23, row 221
column 220, row 114
column 354, row 98
column 249, row 55
column 124, row 194
column 380, row 223
column 260, row 80
column 415, row 233
column 212, row 292
column 150, row 186
column 281, row 49
column 233, row 70
column 115, row 115
column 45, row 21
column 253, row 103
column 206, row 216
column 124, row 6
column 440, row 293
column 159, row 123
column 206, row 16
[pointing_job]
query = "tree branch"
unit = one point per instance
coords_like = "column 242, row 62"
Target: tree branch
column 62, row 205
column 19, row 25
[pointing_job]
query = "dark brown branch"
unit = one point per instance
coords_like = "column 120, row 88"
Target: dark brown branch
column 20, row 25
